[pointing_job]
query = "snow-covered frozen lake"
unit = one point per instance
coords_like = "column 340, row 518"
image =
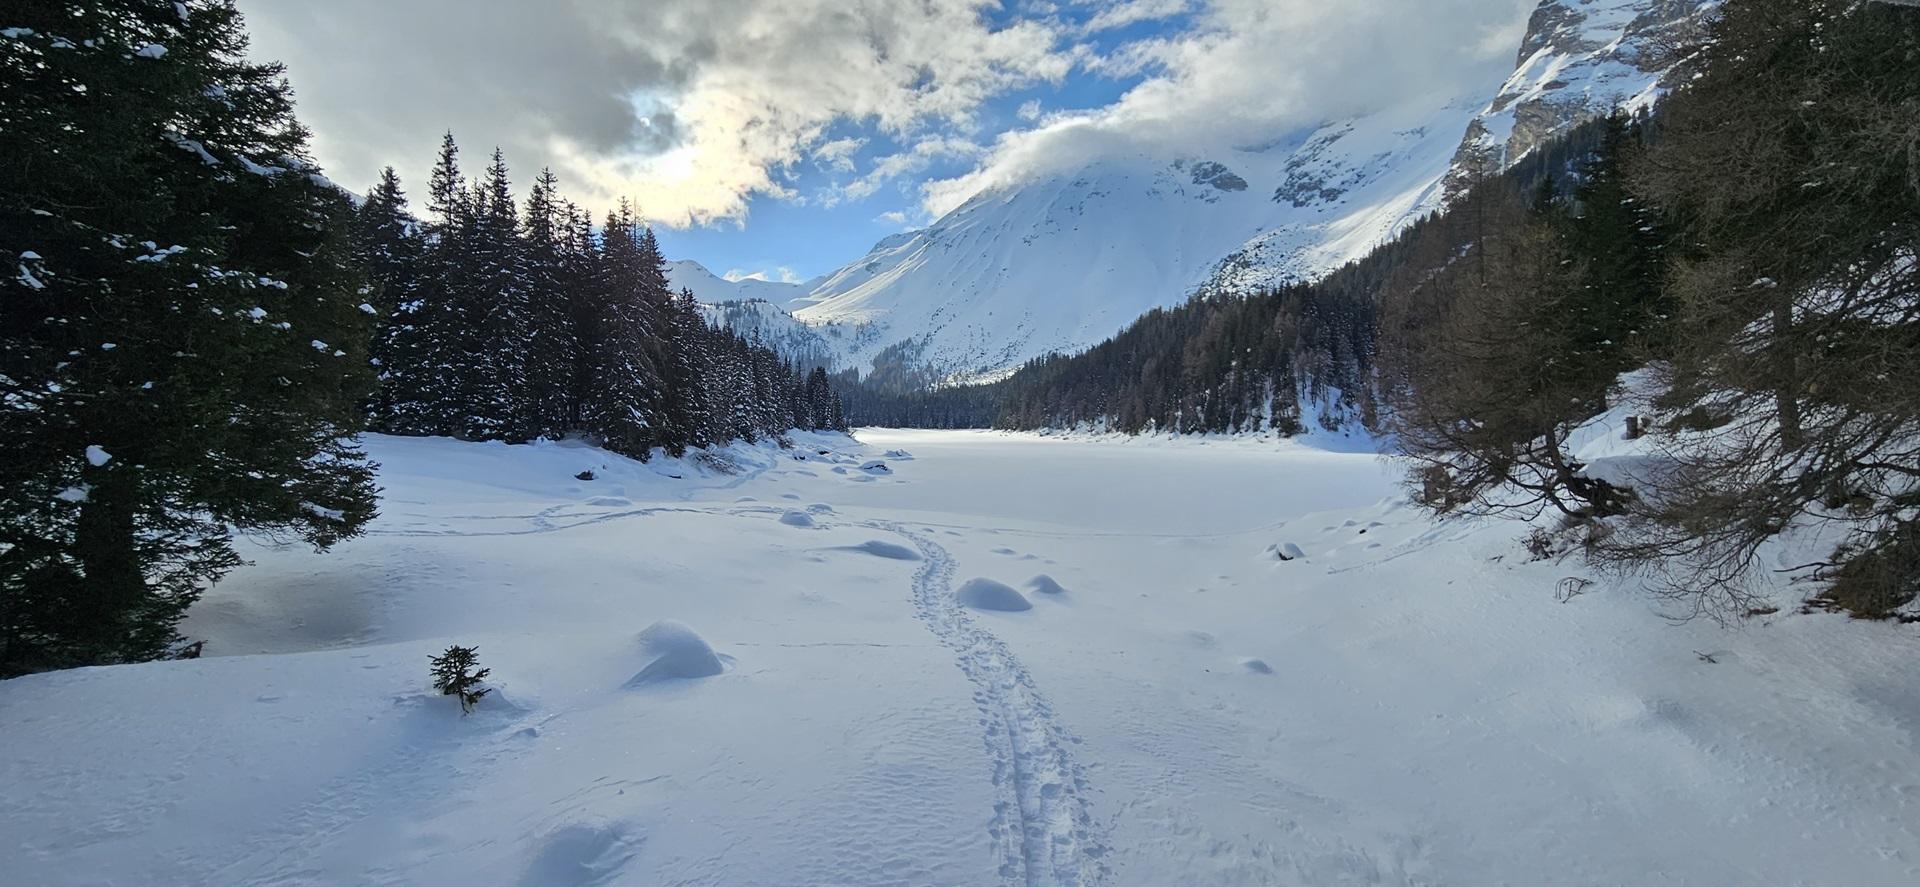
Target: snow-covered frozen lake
column 958, row 658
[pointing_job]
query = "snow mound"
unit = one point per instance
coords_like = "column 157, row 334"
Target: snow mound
column 888, row 550
column 678, row 652
column 609, row 501
column 1285, row 551
column 986, row 594
column 1045, row 584
column 797, row 519
column 579, row 855
column 1257, row 666
column 899, row 455
column 820, row 508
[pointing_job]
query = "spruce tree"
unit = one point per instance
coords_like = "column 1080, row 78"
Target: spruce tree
column 551, row 341
column 388, row 247
column 181, row 350
column 624, row 393
column 491, row 362
column 581, row 277
column 424, row 337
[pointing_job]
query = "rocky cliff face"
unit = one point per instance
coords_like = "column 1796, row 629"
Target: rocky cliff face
column 1580, row 58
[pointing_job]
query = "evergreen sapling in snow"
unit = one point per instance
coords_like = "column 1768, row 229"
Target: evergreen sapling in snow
column 454, row 675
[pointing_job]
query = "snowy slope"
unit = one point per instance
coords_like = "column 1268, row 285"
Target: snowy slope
column 1402, row 702
column 712, row 288
column 1066, row 261
column 803, row 345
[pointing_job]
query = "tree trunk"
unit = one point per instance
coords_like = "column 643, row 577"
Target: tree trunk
column 1787, row 391
column 113, row 582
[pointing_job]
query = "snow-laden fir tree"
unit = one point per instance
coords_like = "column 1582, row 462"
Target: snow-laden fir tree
column 625, row 394
column 181, row 348
column 551, row 345
column 388, row 246
column 494, row 300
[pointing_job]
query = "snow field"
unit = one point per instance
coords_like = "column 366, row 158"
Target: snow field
column 1408, row 704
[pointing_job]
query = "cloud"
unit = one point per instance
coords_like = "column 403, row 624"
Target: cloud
column 1248, row 70
column 781, row 274
column 913, row 160
column 691, row 107
column 838, row 154
column 694, row 108
column 1127, row 12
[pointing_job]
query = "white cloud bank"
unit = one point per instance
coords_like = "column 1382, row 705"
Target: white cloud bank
column 693, row 107
column 1250, row 70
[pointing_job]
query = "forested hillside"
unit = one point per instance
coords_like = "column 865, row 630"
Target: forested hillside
column 1255, row 362
column 506, row 324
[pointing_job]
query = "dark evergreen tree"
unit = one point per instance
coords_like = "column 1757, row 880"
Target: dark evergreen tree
column 551, row 342
column 181, row 350
column 425, row 334
column 581, row 277
column 388, row 246
column 494, row 296
column 1619, row 245
column 624, row 395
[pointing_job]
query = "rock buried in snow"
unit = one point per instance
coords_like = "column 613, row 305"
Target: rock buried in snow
column 797, row 519
column 876, row 466
column 1044, row 584
column 1257, row 666
column 678, row 652
column 889, row 550
column 986, row 594
column 1286, row 551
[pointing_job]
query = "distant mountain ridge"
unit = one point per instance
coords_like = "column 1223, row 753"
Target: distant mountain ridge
column 1065, row 261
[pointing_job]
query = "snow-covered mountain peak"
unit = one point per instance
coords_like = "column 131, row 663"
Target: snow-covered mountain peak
column 712, row 288
column 1064, row 261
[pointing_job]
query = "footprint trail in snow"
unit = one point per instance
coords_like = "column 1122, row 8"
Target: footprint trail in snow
column 1044, row 825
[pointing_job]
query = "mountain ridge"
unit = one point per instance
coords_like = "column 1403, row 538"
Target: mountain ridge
column 1064, row 261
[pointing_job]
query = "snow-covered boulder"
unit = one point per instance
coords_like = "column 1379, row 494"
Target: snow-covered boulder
column 678, row 652
column 889, row 550
column 1045, row 584
column 986, row 594
column 795, row 518
column 1285, row 551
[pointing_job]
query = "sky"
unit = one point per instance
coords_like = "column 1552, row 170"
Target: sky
column 782, row 138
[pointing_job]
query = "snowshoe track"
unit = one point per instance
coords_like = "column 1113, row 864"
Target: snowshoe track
column 1044, row 826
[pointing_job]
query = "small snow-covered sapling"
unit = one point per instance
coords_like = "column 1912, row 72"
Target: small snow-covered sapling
column 453, row 674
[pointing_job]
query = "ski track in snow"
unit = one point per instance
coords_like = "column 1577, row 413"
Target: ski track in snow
column 1045, row 825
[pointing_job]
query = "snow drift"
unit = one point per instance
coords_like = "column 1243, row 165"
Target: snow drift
column 678, row 652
